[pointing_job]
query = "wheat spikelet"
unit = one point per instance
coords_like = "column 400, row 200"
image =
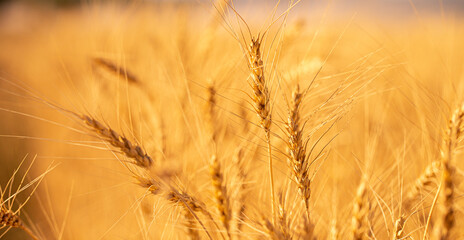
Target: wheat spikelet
column 131, row 150
column 220, row 192
column 360, row 212
column 453, row 135
column 262, row 105
column 398, row 230
column 297, row 149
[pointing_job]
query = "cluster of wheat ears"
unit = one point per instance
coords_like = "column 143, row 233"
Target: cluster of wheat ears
column 292, row 141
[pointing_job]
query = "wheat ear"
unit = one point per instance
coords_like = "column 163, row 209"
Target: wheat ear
column 114, row 69
column 283, row 218
column 241, row 176
column 131, row 150
column 220, row 192
column 297, row 149
column 178, row 198
column 211, row 111
column 453, row 136
column 305, row 229
column 262, row 105
column 360, row 212
column 272, row 231
column 425, row 179
column 9, row 219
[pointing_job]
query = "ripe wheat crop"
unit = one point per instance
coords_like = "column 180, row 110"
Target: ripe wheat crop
column 229, row 120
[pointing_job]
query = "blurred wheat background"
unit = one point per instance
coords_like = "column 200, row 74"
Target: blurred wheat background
column 143, row 115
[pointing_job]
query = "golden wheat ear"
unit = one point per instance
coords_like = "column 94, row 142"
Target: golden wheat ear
column 427, row 178
column 131, row 150
column 452, row 138
column 360, row 212
column 220, row 193
column 262, row 104
column 10, row 218
column 296, row 149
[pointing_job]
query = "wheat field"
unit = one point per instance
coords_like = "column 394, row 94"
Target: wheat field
column 222, row 120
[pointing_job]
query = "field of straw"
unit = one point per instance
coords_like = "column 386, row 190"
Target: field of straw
column 211, row 120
